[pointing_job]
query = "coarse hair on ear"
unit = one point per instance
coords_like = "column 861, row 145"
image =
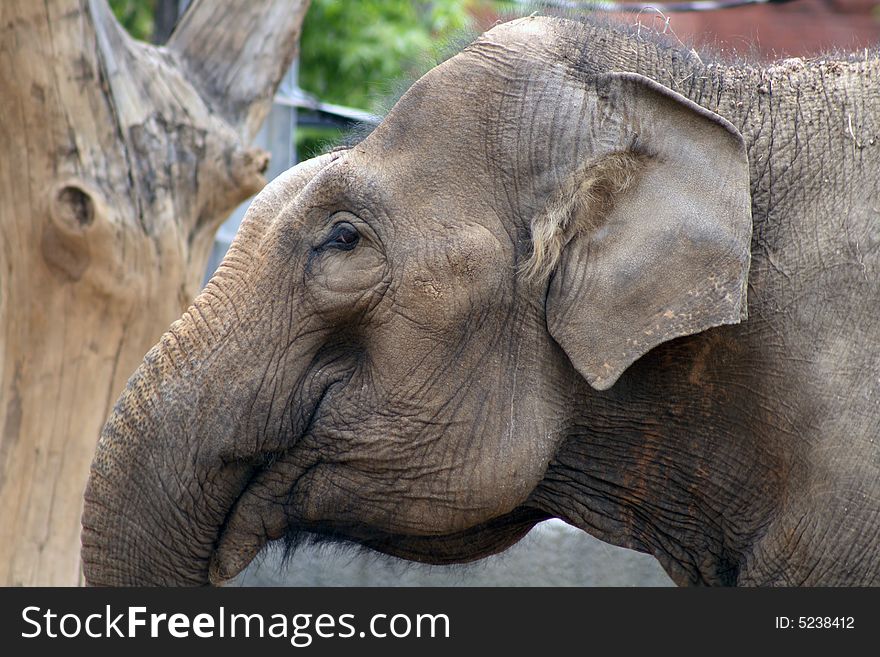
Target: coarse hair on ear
column 578, row 206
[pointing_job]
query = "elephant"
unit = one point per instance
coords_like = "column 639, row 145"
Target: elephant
column 575, row 272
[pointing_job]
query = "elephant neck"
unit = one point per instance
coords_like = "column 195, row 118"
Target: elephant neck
column 783, row 109
column 672, row 462
column 696, row 451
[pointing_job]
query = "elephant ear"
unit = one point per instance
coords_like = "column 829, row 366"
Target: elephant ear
column 669, row 255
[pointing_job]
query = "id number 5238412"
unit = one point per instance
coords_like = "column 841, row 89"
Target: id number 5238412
column 815, row 622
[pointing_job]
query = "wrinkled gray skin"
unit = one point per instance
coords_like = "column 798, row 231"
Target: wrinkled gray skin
column 418, row 395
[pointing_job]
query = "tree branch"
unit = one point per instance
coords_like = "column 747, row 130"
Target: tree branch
column 235, row 53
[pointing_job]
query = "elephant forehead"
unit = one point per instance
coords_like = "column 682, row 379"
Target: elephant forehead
column 489, row 125
column 437, row 131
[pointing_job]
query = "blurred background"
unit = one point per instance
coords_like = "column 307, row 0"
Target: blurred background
column 354, row 56
column 353, row 53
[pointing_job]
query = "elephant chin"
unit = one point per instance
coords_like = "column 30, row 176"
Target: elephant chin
column 477, row 542
column 262, row 513
column 231, row 558
column 241, row 540
column 234, row 553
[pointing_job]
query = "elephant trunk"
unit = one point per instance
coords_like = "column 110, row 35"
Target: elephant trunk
column 188, row 461
column 154, row 504
column 200, row 421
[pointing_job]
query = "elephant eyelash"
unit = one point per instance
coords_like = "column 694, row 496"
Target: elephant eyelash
column 343, row 237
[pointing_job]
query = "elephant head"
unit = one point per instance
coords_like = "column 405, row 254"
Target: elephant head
column 399, row 338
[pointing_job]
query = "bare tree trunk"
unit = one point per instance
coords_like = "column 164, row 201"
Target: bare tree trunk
column 119, row 162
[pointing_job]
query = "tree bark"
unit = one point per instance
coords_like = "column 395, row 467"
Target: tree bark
column 120, row 161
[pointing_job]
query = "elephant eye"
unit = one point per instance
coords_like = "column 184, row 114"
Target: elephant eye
column 343, row 236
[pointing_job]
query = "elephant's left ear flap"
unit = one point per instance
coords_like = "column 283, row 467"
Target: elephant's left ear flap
column 670, row 255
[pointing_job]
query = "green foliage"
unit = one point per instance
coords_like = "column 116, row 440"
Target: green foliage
column 312, row 141
column 351, row 51
column 136, row 16
column 355, row 53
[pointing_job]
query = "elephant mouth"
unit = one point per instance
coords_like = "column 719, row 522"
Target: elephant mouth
column 264, row 509
column 244, row 534
column 270, row 507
